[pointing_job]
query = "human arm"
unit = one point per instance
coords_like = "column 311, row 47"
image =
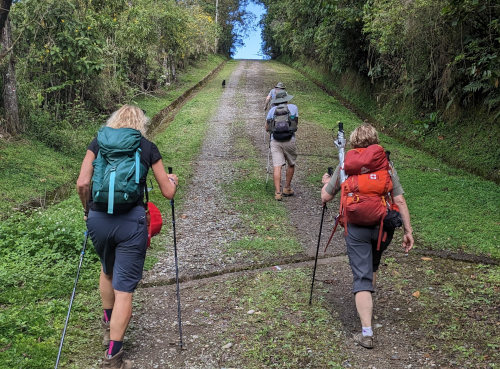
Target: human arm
column 84, row 179
column 167, row 182
column 405, row 215
column 331, row 185
column 269, row 118
column 268, row 100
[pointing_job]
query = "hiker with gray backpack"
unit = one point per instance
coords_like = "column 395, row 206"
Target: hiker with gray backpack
column 281, row 123
column 372, row 205
column 111, row 187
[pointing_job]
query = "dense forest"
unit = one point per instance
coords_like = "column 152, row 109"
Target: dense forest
column 430, row 68
column 67, row 62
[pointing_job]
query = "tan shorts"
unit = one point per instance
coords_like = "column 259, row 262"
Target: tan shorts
column 284, row 152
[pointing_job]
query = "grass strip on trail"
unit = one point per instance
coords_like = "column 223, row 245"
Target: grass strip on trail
column 450, row 209
column 282, row 331
column 39, row 257
column 268, row 232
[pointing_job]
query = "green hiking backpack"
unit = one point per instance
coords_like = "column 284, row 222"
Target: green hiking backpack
column 118, row 171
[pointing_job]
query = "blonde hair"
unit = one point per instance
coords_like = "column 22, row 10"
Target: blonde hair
column 129, row 116
column 364, row 136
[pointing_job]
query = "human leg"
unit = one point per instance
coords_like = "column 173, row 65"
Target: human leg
column 277, row 179
column 290, row 152
column 364, row 306
column 106, row 290
column 122, row 312
column 108, row 299
column 278, row 162
column 287, row 190
column 359, row 250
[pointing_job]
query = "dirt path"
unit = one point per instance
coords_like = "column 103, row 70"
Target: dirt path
column 208, row 223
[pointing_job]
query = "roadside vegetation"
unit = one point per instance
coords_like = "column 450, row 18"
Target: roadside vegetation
column 425, row 71
column 39, row 255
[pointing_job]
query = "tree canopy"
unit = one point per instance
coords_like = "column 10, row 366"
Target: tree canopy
column 75, row 56
column 438, row 53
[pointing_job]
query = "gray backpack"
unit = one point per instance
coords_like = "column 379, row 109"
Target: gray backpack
column 282, row 126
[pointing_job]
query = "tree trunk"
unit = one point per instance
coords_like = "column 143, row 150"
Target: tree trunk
column 4, row 12
column 13, row 124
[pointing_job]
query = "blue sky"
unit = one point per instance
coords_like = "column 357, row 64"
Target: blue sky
column 251, row 48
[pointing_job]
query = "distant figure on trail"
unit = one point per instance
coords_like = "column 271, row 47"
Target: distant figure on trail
column 116, row 216
column 281, row 123
column 272, row 94
column 365, row 243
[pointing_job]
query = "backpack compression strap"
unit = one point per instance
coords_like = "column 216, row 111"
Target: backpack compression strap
column 112, row 176
column 111, row 192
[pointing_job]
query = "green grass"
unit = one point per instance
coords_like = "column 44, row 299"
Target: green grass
column 284, row 331
column 469, row 142
column 456, row 311
column 450, row 208
column 269, row 232
column 39, row 256
column 31, row 171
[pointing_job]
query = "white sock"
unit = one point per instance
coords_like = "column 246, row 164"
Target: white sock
column 367, row 331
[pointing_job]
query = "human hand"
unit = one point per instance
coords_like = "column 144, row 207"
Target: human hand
column 173, row 178
column 407, row 241
column 326, row 178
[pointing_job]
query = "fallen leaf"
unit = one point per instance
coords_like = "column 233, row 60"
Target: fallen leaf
column 425, row 258
column 184, row 216
column 416, row 294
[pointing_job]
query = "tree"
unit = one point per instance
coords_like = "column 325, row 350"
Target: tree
column 9, row 94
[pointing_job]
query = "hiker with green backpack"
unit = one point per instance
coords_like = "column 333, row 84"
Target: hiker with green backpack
column 111, row 187
column 372, row 205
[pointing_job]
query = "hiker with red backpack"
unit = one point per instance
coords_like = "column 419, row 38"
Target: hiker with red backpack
column 371, row 201
column 111, row 187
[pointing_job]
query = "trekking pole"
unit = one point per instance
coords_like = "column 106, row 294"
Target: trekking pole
column 330, row 172
column 340, row 144
column 179, row 320
column 268, row 160
column 72, row 298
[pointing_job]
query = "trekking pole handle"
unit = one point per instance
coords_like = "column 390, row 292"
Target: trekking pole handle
column 341, row 126
column 330, row 171
column 169, row 170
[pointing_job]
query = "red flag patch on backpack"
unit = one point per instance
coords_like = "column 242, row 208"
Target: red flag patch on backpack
column 365, row 193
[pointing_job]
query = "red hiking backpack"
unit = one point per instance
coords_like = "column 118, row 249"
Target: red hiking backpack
column 365, row 198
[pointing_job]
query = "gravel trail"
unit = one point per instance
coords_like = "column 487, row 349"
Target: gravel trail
column 207, row 223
